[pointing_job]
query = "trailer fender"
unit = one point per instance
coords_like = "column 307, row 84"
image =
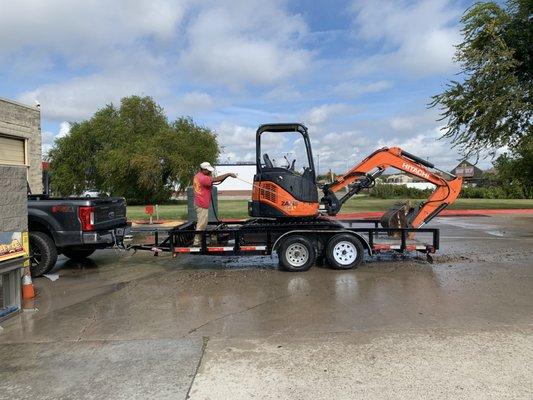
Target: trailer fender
column 363, row 240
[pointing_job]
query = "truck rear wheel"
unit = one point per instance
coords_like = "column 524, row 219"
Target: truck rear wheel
column 44, row 253
column 344, row 251
column 77, row 253
column 296, row 253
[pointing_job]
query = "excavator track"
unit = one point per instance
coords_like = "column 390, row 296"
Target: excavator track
column 290, row 223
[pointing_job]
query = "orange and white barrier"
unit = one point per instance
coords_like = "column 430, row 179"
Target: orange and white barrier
column 217, row 249
column 28, row 292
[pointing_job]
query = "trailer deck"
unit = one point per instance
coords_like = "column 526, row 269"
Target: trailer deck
column 247, row 238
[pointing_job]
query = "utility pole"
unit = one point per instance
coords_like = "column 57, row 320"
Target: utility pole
column 318, row 165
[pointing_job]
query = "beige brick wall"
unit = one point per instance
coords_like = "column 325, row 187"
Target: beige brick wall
column 24, row 121
column 13, row 203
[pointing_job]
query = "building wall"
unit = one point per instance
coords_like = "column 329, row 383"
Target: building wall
column 24, row 122
column 399, row 179
column 13, row 199
column 236, row 187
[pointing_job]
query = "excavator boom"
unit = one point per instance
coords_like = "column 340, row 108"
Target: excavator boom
column 363, row 176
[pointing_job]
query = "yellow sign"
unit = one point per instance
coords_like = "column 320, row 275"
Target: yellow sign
column 11, row 245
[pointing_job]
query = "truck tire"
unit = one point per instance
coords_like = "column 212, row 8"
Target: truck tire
column 344, row 251
column 296, row 253
column 77, row 253
column 44, row 253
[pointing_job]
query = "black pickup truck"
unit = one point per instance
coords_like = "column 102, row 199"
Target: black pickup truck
column 73, row 226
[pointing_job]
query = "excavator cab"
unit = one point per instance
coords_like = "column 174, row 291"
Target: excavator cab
column 280, row 188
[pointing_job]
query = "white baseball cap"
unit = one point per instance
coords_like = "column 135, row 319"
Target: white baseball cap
column 207, row 166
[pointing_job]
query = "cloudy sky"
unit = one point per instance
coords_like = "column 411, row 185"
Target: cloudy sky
column 359, row 74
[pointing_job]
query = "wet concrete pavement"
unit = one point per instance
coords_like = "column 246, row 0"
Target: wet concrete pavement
column 128, row 325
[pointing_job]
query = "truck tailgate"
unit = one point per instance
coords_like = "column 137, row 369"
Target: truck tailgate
column 109, row 212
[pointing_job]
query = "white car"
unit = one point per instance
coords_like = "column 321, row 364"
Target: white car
column 90, row 193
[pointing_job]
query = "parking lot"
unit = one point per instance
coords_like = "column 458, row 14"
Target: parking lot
column 125, row 325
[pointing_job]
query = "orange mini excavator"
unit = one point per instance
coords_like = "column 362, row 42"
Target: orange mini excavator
column 281, row 192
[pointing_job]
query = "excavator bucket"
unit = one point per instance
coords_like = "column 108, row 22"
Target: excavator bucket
column 396, row 217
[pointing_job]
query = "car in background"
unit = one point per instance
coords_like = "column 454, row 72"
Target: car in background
column 90, row 193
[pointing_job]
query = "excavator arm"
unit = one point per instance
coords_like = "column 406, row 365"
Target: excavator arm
column 364, row 174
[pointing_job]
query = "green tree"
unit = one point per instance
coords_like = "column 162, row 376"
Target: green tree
column 131, row 151
column 515, row 170
column 492, row 107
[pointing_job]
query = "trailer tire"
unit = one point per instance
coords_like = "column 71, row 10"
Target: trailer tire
column 344, row 251
column 44, row 253
column 296, row 253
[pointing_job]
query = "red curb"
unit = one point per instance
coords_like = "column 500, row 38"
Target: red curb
column 445, row 213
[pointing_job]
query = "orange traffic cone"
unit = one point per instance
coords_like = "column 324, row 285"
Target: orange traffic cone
column 28, row 292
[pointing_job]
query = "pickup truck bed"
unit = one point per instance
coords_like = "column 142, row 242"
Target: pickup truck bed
column 74, row 226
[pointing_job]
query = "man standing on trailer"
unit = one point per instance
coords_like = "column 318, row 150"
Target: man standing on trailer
column 202, row 185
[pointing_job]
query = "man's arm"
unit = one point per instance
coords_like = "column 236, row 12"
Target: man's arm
column 223, row 177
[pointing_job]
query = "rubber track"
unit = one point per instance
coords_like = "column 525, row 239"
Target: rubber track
column 300, row 223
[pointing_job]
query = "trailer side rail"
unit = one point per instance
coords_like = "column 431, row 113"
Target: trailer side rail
column 178, row 239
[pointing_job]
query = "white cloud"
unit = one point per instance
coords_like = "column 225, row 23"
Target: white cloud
column 355, row 89
column 86, row 33
column 238, row 142
column 193, row 102
column 100, row 50
column 322, row 114
column 235, row 138
column 239, row 42
column 425, row 145
column 64, row 129
column 48, row 137
column 416, row 36
column 339, row 150
column 80, row 97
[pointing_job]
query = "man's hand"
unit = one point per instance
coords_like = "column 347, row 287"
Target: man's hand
column 221, row 178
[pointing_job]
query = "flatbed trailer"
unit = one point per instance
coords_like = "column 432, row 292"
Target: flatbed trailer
column 299, row 243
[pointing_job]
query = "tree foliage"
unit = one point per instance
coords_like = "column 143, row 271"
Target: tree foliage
column 515, row 170
column 492, row 107
column 131, row 151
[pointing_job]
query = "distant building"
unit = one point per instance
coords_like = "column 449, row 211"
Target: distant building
column 399, row 179
column 408, row 180
column 471, row 174
column 236, row 187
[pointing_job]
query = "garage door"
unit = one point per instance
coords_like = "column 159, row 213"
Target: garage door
column 11, row 151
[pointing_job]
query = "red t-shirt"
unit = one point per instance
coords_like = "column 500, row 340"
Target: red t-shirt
column 202, row 185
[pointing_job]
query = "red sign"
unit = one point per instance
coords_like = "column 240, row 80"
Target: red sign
column 149, row 210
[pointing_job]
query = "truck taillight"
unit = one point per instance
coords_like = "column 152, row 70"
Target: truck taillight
column 86, row 215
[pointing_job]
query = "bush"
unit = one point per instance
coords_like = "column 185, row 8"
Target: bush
column 388, row 191
column 492, row 192
column 509, row 191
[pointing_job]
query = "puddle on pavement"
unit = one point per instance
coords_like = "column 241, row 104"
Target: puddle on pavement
column 272, row 262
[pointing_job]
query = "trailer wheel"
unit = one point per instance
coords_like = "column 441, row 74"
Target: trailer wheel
column 296, row 254
column 344, row 251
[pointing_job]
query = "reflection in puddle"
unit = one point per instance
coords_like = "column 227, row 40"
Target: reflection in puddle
column 496, row 233
column 298, row 285
column 346, row 286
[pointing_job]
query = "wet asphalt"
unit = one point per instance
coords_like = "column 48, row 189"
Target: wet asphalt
column 124, row 325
